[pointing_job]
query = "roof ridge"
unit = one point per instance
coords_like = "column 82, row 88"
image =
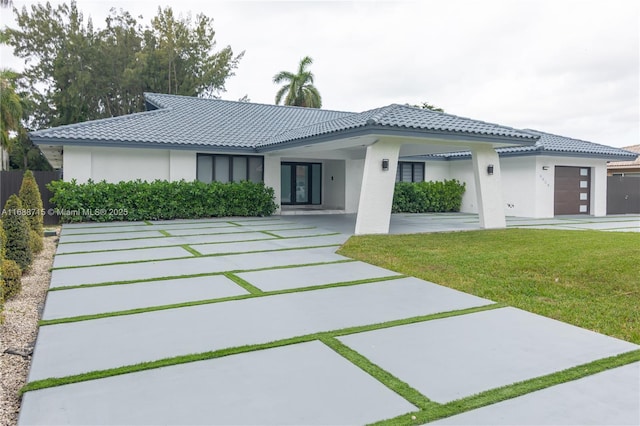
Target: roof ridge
column 243, row 102
column 104, row 120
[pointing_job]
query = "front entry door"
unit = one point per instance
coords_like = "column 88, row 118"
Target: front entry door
column 301, row 183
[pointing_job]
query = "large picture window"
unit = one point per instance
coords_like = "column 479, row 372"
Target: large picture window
column 410, row 172
column 229, row 168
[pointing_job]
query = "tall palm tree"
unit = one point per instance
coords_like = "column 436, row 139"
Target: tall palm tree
column 298, row 89
column 10, row 113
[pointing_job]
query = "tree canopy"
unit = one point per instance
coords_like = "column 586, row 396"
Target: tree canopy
column 426, row 105
column 298, row 88
column 75, row 72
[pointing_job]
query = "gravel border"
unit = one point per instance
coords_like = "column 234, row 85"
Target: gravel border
column 19, row 331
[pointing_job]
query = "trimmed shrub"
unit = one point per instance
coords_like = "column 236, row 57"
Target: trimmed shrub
column 3, row 243
column 17, row 231
column 32, row 204
column 138, row 200
column 35, row 241
column 11, row 279
column 426, row 197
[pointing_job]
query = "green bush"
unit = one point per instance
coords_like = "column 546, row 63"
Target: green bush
column 17, row 232
column 11, row 276
column 35, row 241
column 425, row 197
column 32, row 202
column 138, row 200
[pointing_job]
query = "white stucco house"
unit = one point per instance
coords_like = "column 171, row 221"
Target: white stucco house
column 339, row 161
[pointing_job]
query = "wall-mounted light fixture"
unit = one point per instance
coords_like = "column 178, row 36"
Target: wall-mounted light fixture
column 545, row 167
column 385, row 164
column 490, row 169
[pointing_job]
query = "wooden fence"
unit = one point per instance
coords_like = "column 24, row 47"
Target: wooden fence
column 10, row 182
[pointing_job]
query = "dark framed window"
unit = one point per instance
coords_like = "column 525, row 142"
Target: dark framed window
column 301, row 183
column 229, row 168
column 410, row 171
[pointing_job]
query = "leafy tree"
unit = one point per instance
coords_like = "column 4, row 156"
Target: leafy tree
column 16, row 230
column 426, row 105
column 76, row 72
column 298, row 88
column 10, row 112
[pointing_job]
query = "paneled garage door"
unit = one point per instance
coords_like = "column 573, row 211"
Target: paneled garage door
column 572, row 190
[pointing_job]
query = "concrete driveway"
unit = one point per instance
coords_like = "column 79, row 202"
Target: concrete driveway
column 258, row 321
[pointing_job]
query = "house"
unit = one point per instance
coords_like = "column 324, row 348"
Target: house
column 336, row 160
column 625, row 168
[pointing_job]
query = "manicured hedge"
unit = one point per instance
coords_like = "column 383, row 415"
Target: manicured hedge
column 424, row 197
column 138, row 200
column 15, row 223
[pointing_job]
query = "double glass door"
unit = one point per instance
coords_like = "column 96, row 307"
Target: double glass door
column 301, row 183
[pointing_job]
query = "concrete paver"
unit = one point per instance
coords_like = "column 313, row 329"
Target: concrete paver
column 68, row 349
column 272, row 244
column 607, row 398
column 84, row 259
column 455, row 357
column 159, row 242
column 108, row 236
column 194, row 266
column 307, row 276
column 113, row 298
column 303, row 384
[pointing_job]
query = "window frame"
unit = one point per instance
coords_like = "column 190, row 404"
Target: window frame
column 230, row 160
column 413, row 171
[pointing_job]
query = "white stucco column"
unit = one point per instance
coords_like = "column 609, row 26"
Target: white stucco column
column 488, row 188
column 599, row 190
column 376, row 194
column 271, row 175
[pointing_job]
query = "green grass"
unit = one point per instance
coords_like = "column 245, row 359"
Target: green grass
column 587, row 278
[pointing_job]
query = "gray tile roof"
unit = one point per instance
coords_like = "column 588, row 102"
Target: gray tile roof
column 212, row 123
column 395, row 116
column 188, row 121
column 553, row 145
column 182, row 120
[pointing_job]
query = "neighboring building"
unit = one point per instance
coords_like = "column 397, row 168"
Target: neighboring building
column 339, row 161
column 625, row 168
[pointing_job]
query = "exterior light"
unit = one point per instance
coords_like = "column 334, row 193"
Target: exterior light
column 385, row 164
column 490, row 169
column 545, row 167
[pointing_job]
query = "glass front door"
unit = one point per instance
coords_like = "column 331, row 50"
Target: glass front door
column 301, row 183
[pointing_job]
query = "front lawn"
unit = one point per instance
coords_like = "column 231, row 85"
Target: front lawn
column 587, row 278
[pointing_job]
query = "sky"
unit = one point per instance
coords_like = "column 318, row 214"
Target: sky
column 569, row 67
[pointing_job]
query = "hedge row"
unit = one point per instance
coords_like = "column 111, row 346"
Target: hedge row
column 141, row 200
column 423, row 197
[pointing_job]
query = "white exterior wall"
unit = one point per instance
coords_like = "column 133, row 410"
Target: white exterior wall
column 546, row 183
column 272, row 177
column 528, row 189
column 353, row 183
column 333, row 184
column 436, row 171
column 76, row 163
column 182, row 166
column 519, row 186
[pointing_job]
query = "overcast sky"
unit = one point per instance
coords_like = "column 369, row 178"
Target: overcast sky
column 569, row 67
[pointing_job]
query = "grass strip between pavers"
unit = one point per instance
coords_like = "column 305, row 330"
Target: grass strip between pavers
column 183, row 359
column 250, row 288
column 252, row 292
column 197, row 254
column 191, row 250
column 204, row 274
column 261, row 238
column 378, row 373
column 176, row 236
column 514, row 390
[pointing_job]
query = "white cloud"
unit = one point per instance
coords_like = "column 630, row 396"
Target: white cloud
column 564, row 66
